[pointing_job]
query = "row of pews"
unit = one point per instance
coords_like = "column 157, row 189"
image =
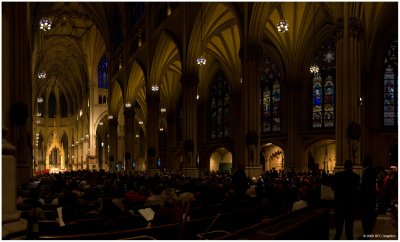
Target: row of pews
column 247, row 223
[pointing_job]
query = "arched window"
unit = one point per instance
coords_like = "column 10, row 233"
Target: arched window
column 323, row 105
column 104, row 100
column 270, row 96
column 64, row 106
column 219, row 107
column 52, row 105
column 103, row 73
column 390, row 86
column 100, row 99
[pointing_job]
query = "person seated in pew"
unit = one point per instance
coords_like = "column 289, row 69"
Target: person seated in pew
column 155, row 198
column 170, row 211
column 301, row 202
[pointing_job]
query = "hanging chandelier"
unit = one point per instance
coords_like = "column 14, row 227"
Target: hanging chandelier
column 155, row 88
column 41, row 75
column 45, row 24
column 314, row 69
column 282, row 26
column 201, row 60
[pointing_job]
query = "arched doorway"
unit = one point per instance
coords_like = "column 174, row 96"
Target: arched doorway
column 322, row 156
column 221, row 160
column 273, row 156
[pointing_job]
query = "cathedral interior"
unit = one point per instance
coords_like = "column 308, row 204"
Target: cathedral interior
column 197, row 87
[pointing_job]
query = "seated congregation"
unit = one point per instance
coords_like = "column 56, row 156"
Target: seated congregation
column 104, row 205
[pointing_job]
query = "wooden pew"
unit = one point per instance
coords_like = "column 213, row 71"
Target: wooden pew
column 192, row 227
column 308, row 223
column 231, row 221
column 167, row 232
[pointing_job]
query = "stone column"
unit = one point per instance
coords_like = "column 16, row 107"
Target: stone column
column 129, row 115
column 171, row 138
column 152, row 132
column 17, row 85
column 11, row 217
column 113, row 139
column 251, row 57
column 349, row 54
column 293, row 152
column 189, row 88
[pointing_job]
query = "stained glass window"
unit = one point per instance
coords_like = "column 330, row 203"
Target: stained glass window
column 219, row 107
column 64, row 106
column 390, row 86
column 52, row 105
column 103, row 73
column 323, row 97
column 270, row 96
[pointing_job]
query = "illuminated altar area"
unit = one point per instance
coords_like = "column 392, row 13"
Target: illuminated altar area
column 55, row 156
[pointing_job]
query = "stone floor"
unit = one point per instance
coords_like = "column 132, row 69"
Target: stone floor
column 386, row 228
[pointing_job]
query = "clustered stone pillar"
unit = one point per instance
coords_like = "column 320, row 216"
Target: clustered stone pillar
column 17, row 128
column 11, row 217
column 129, row 115
column 152, row 130
column 189, row 83
column 348, row 85
column 252, row 55
column 113, row 138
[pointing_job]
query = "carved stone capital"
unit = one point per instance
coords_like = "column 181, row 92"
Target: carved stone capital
column 251, row 52
column 113, row 122
column 339, row 26
column 356, row 28
column 129, row 112
column 190, row 79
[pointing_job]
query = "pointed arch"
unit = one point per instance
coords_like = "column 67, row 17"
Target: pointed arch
column 216, row 35
column 116, row 100
column 167, row 70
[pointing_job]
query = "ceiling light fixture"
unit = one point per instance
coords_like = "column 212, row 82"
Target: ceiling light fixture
column 314, row 67
column 45, row 24
column 42, row 74
column 201, row 60
column 282, row 26
column 155, row 88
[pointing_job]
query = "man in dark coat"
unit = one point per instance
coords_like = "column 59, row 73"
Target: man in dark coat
column 345, row 185
column 239, row 181
column 368, row 197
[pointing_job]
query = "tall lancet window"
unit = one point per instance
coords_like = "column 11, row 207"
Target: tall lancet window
column 270, row 96
column 323, row 105
column 390, row 86
column 219, row 107
column 103, row 73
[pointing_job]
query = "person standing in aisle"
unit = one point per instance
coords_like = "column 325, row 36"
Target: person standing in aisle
column 368, row 197
column 345, row 185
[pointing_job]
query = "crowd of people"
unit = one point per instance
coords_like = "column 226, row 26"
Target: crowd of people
column 112, row 195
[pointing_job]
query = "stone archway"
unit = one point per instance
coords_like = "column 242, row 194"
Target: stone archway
column 55, row 144
column 274, row 157
column 221, row 160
